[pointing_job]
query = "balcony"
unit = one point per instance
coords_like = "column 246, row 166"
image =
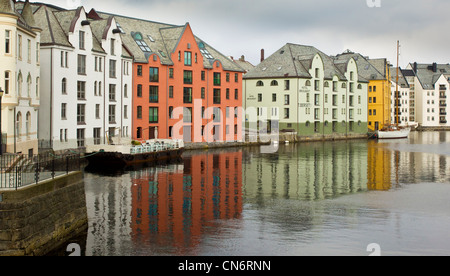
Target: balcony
column 441, row 104
column 443, row 121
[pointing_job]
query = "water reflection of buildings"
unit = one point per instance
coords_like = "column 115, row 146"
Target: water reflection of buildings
column 175, row 207
column 308, row 171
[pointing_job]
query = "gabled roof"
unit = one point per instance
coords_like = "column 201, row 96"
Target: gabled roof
column 294, row 60
column 162, row 39
column 52, row 32
column 7, row 7
column 428, row 74
column 401, row 78
column 367, row 69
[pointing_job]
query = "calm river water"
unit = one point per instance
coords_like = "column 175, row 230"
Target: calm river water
column 332, row 198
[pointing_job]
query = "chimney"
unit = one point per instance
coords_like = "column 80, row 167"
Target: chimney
column 262, row 55
column 242, row 58
column 415, row 67
column 434, row 67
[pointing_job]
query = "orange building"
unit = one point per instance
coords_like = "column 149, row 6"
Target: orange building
column 177, row 205
column 178, row 79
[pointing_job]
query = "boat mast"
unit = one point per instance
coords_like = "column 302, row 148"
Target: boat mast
column 397, row 92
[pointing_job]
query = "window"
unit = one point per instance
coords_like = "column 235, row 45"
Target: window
column 153, row 94
column 81, row 40
column 334, row 86
column 112, row 114
column 154, row 75
column 216, row 78
column 236, row 94
column 187, row 114
column 171, row 92
column 113, row 41
column 99, row 88
column 64, row 86
column 139, row 112
column 316, row 99
column 112, row 92
column 7, row 42
column 259, row 97
column 170, row 112
column 80, row 137
column 171, row 73
column 7, row 80
column 259, row 83
column 97, row 111
column 374, row 99
column 274, row 83
column 97, row 132
column 286, row 99
column 63, row 111
column 125, row 91
column 81, row 65
column 286, row 85
column 187, row 77
column 274, row 97
column 188, row 58
column 227, row 93
column 203, row 93
column 81, row 113
column 216, row 98
column 187, row 95
column 316, row 113
column 316, row 72
column 29, row 51
column 81, row 90
column 153, row 115
column 203, row 75
column 139, row 90
column 139, row 70
column 317, row 85
column 286, row 113
column 19, row 47
column 139, row 39
column 112, row 69
column 227, row 77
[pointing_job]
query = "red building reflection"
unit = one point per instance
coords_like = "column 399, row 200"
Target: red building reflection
column 174, row 205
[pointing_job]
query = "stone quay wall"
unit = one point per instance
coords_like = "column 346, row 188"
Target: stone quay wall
column 39, row 218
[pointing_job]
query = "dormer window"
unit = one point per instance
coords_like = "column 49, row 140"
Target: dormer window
column 140, row 42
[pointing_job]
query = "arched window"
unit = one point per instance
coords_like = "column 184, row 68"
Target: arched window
column 308, row 83
column 274, row 83
column 326, row 84
column 18, row 125
column 19, row 84
column 344, row 85
column 28, row 124
column 64, row 86
column 260, row 83
column 29, row 86
column 359, row 86
column 37, row 87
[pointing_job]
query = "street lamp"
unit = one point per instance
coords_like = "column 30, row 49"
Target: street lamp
column 1, row 134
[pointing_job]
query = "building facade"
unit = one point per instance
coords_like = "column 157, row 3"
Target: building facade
column 306, row 92
column 182, row 87
column 376, row 71
column 402, row 99
column 19, row 77
column 432, row 88
column 86, row 87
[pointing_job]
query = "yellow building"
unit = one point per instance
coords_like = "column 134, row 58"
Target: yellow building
column 376, row 71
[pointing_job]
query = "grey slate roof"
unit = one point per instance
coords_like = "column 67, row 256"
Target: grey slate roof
column 7, row 7
column 165, row 38
column 368, row 69
column 293, row 60
column 52, row 31
column 402, row 82
column 428, row 76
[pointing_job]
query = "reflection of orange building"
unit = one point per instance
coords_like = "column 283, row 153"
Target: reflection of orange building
column 179, row 205
column 379, row 167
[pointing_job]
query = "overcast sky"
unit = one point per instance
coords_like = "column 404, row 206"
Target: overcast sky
column 244, row 27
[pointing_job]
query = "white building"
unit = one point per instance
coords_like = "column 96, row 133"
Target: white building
column 404, row 98
column 307, row 92
column 432, row 88
column 19, row 77
column 86, row 84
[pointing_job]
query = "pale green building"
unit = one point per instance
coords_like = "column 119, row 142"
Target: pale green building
column 307, row 92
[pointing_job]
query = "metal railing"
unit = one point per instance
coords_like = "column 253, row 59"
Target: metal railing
column 18, row 171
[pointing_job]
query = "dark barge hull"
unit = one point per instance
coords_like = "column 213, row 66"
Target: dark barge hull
column 108, row 160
